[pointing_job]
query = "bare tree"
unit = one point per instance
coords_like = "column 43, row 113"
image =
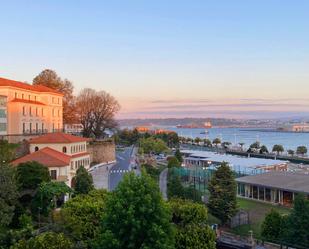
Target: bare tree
column 96, row 111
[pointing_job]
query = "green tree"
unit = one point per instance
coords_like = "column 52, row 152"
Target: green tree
column 47, row 196
column 263, row 149
column 207, row 142
column 186, row 212
column 136, row 217
column 297, row 223
column 48, row 240
column 83, row 181
column 191, row 221
column 178, row 156
column 7, row 152
column 152, row 145
column 222, row 188
column 195, row 237
column 291, row 152
column 152, row 171
column 301, row 150
column 216, row 141
column 50, row 79
column 272, row 226
column 197, row 140
column 8, row 194
column 173, row 162
column 191, row 193
column 176, row 190
column 278, row 148
column 170, row 138
column 255, row 145
column 174, row 186
column 82, row 215
column 31, row 174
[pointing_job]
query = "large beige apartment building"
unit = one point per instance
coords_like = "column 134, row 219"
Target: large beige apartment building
column 27, row 109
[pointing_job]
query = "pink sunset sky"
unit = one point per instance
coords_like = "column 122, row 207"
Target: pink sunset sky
column 235, row 59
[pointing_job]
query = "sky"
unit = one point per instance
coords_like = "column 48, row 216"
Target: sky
column 234, row 59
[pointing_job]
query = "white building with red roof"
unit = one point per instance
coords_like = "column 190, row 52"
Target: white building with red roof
column 29, row 109
column 62, row 153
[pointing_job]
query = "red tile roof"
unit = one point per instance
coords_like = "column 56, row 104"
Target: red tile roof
column 57, row 138
column 17, row 84
column 27, row 101
column 47, row 157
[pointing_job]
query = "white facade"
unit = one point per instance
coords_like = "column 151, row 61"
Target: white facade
column 78, row 157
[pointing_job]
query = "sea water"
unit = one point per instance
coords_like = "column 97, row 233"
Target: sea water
column 289, row 140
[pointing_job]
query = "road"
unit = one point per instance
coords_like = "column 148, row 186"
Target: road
column 163, row 183
column 100, row 175
column 125, row 162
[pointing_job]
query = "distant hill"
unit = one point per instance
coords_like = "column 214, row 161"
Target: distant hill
column 216, row 122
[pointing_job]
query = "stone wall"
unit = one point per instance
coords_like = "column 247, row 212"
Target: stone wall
column 101, row 152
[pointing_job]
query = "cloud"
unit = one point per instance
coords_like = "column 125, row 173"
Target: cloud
column 230, row 108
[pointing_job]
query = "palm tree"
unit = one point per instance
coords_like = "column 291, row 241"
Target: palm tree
column 278, row 148
column 207, row 142
column 301, row 150
column 291, row 152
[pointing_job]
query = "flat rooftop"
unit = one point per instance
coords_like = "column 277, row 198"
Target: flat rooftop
column 289, row 181
column 231, row 159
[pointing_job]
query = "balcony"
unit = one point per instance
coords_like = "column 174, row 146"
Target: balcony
column 34, row 132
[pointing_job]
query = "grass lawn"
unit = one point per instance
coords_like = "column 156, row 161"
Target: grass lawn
column 257, row 211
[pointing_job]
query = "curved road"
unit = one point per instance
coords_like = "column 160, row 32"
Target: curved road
column 125, row 162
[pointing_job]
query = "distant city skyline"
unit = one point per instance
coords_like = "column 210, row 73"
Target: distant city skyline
column 235, row 59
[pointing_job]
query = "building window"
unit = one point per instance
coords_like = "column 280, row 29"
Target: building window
column 24, row 127
column 22, row 96
column 36, row 111
column 42, row 112
column 64, row 149
column 24, row 110
column 30, row 110
column 35, row 98
column 29, row 97
column 30, row 127
column 36, row 148
column 15, row 95
column 42, row 127
column 58, row 113
column 2, row 113
column 36, row 127
column 3, row 127
column 72, row 165
column 53, row 127
column 53, row 174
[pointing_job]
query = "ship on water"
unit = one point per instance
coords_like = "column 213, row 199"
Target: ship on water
column 206, row 125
